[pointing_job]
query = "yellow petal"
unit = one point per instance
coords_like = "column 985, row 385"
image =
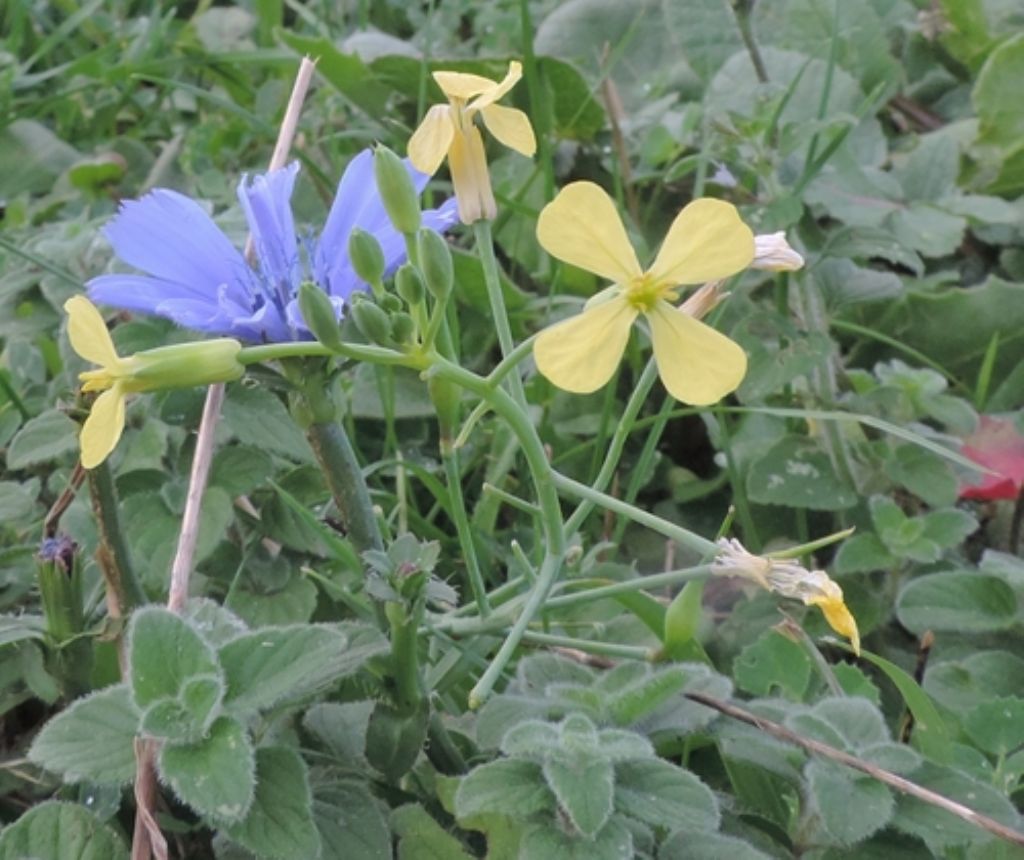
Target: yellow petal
column 460, row 85
column 468, row 165
column 512, row 127
column 430, row 142
column 840, row 619
column 581, row 226
column 489, row 97
column 698, row 365
column 88, row 332
column 102, row 428
column 580, row 354
column 707, row 241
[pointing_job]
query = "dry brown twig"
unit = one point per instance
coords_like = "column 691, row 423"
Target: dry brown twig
column 147, row 840
column 780, row 732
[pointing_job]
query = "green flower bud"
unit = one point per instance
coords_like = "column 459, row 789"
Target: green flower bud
column 390, row 303
column 319, row 315
column 184, row 365
column 397, row 192
column 402, row 327
column 372, row 321
column 367, row 258
column 436, row 262
column 409, row 285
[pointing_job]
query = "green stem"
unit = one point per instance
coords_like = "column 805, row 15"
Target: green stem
column 655, row 580
column 345, row 480
column 739, row 494
column 545, row 580
column 485, row 250
column 533, row 450
column 453, row 474
column 687, row 538
column 606, row 649
column 509, row 362
column 550, row 513
column 618, row 442
column 117, row 563
column 310, row 349
column 405, row 662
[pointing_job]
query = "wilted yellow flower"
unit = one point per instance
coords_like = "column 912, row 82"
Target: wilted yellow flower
column 449, row 130
column 792, row 580
column 179, row 366
column 706, row 242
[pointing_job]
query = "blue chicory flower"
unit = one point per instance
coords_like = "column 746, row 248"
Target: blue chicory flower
column 198, row 279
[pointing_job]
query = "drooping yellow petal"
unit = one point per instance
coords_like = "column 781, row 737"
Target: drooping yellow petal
column 462, row 85
column 103, row 427
column 839, row 618
column 580, row 354
column 697, row 364
column 88, row 332
column 430, row 142
column 472, row 182
column 489, row 97
column 707, row 241
column 512, row 128
column 581, row 226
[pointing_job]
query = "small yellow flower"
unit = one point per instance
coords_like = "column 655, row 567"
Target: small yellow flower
column 179, row 366
column 792, row 580
column 449, row 130
column 706, row 242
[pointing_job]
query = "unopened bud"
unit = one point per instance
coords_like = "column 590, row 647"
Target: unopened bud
column 182, row 365
column 705, row 300
column 397, row 193
column 366, row 256
column 402, row 327
column 773, row 254
column 435, row 262
column 372, row 321
column 409, row 285
column 390, row 303
column 319, row 315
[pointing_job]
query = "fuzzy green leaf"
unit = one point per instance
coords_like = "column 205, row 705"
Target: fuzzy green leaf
column 61, row 831
column 279, row 824
column 507, row 786
column 267, row 665
column 164, row 651
column 92, row 740
column 215, row 776
column 664, row 795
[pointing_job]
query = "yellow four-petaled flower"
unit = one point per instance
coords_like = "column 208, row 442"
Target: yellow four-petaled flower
column 449, row 130
column 706, row 242
column 181, row 365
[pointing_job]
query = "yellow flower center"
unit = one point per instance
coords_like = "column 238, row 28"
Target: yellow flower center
column 643, row 292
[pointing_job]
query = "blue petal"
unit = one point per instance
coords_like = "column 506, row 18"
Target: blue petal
column 266, row 201
column 358, row 204
column 170, row 236
column 142, row 293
